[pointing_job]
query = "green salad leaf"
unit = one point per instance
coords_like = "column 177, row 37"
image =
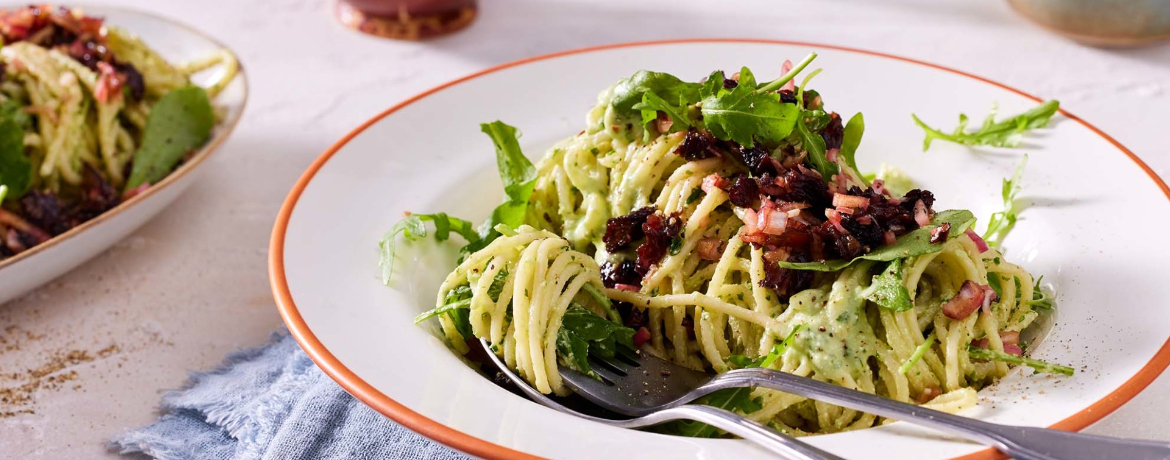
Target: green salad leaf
column 788, row 76
column 16, row 170
column 631, row 91
column 1040, row 298
column 583, row 333
column 3, row 192
column 743, row 362
column 732, row 399
column 919, row 352
column 889, row 288
column 1004, row 221
column 519, row 177
column 854, row 128
column 812, row 142
column 1004, row 133
column 1042, row 367
column 412, row 228
column 178, row 123
column 912, row 244
column 745, row 115
column 652, row 104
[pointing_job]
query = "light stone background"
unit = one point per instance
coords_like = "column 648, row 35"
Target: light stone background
column 192, row 285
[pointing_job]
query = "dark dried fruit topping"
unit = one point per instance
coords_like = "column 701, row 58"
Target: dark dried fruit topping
column 806, row 187
column 696, row 146
column 660, row 230
column 625, row 272
column 744, row 191
column 786, row 282
column 834, row 132
column 913, row 196
column 759, row 161
column 787, row 96
column 621, row 231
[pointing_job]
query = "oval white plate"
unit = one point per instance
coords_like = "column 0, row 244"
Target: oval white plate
column 176, row 42
column 427, row 155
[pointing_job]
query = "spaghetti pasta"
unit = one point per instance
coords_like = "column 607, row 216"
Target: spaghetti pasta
column 712, row 299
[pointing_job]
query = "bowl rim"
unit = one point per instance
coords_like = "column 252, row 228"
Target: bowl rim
column 454, row 438
column 213, row 144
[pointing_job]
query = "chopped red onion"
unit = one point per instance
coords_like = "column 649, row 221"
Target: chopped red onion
column 859, row 202
column 979, row 243
column 969, row 299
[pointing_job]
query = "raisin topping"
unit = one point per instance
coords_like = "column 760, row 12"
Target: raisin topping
column 744, row 191
column 806, row 187
column 787, row 96
column 45, row 210
column 625, row 272
column 914, row 196
column 759, row 161
column 696, row 146
column 621, row 231
column 659, row 231
column 786, row 282
column 834, row 132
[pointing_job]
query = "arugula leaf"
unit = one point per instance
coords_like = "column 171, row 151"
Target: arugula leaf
column 854, row 128
column 519, row 177
column 460, row 297
column 1040, row 299
column 1003, row 133
column 1042, row 367
column 583, row 333
column 911, row 244
column 652, row 104
column 1004, row 221
column 574, row 352
column 13, row 110
column 918, row 353
column 743, row 115
column 993, row 281
column 178, row 123
column 889, row 288
column 445, row 308
column 812, row 142
column 777, row 83
column 412, row 228
column 665, row 86
column 16, row 170
column 732, row 399
column 743, row 362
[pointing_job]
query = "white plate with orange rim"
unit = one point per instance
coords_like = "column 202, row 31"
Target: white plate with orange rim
column 428, row 155
column 177, row 43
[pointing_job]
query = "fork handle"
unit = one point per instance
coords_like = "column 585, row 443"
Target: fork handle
column 750, row 430
column 1021, row 443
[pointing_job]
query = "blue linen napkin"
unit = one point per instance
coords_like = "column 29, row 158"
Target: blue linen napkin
column 272, row 402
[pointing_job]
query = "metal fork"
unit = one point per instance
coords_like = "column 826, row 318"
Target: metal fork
column 765, row 437
column 637, row 385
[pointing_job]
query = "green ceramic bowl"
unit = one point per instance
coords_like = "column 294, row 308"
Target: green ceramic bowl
column 1101, row 22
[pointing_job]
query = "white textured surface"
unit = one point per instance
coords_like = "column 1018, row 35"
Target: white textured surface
column 192, row 285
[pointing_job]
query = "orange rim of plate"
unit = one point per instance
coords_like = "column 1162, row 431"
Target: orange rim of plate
column 456, row 439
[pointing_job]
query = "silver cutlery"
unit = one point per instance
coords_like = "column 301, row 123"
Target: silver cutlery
column 640, row 384
column 772, row 440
